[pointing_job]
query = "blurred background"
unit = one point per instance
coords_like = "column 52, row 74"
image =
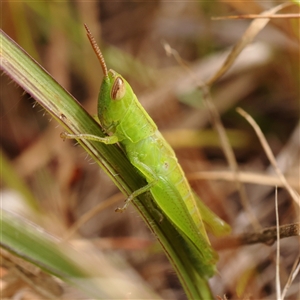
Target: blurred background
column 64, row 183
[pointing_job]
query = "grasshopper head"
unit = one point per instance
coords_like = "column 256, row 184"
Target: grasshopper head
column 114, row 100
column 115, row 95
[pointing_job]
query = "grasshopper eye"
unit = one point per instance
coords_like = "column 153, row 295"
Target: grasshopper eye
column 118, row 90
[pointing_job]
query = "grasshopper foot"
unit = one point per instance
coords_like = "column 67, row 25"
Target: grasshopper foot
column 64, row 135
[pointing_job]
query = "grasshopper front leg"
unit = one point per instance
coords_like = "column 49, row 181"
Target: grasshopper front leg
column 108, row 140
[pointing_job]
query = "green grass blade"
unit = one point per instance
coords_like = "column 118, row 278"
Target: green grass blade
column 69, row 113
column 34, row 245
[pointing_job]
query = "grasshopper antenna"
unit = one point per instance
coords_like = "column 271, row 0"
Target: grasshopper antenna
column 97, row 50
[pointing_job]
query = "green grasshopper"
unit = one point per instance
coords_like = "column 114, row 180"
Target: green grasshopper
column 127, row 123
